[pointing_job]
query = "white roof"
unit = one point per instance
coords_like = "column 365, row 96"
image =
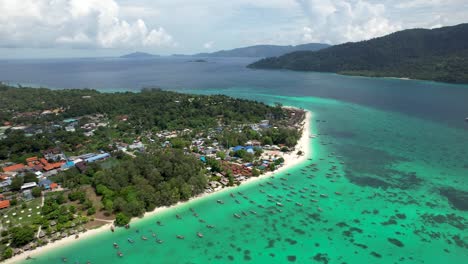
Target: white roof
column 28, row 185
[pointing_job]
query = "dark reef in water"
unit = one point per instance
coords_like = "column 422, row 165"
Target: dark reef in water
column 457, row 198
column 451, row 219
column 291, row 258
column 395, row 242
column 459, row 241
column 322, row 257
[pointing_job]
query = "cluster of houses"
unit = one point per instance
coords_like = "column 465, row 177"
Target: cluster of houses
column 52, row 162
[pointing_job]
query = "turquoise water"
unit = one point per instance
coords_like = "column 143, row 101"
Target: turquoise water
column 391, row 171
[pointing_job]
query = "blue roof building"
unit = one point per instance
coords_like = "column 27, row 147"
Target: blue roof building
column 45, row 184
column 250, row 149
column 68, row 164
column 237, row 148
column 98, row 157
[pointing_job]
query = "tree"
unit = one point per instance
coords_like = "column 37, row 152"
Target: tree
column 221, row 155
column 30, row 177
column 255, row 172
column 21, row 236
column 8, row 253
column 36, row 192
column 266, row 140
column 16, row 183
column 121, row 219
column 91, row 210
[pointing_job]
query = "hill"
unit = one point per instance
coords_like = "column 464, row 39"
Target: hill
column 429, row 54
column 260, row 51
column 138, row 55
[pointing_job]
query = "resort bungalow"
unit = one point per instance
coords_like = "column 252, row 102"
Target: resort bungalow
column 28, row 186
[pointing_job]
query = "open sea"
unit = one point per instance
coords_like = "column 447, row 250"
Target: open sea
column 387, row 181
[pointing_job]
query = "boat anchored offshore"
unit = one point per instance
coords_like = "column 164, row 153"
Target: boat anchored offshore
column 200, row 235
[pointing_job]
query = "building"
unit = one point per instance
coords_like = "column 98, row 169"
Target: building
column 54, row 154
column 28, row 186
column 4, row 203
column 45, row 184
column 97, row 157
column 15, row 167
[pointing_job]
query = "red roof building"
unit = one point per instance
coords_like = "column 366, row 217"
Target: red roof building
column 4, row 204
column 53, row 185
column 16, row 167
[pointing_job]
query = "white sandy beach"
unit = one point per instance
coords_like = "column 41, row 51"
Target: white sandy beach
column 290, row 160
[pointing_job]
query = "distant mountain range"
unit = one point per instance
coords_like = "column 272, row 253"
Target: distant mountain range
column 258, row 51
column 439, row 54
column 261, row 51
column 139, row 55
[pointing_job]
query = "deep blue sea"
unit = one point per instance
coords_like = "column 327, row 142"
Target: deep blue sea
column 446, row 103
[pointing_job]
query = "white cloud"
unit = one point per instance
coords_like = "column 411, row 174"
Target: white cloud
column 74, row 23
column 208, row 45
column 341, row 21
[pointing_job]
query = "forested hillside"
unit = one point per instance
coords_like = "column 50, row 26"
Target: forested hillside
column 437, row 54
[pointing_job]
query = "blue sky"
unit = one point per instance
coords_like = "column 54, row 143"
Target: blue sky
column 86, row 28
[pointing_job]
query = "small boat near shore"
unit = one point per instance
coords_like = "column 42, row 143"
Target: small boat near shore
column 200, row 235
column 120, row 254
column 131, row 241
column 210, row 226
column 220, row 201
column 144, row 238
column 180, row 237
column 279, row 204
column 237, row 216
column 159, row 241
column 116, row 245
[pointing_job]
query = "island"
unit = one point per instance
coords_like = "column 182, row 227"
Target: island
column 428, row 54
column 261, row 51
column 139, row 55
column 75, row 160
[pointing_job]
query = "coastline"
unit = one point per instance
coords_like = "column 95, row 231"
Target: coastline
column 291, row 159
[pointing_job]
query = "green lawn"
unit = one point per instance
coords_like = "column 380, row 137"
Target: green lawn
column 19, row 215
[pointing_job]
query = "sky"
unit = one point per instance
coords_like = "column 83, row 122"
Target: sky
column 95, row 28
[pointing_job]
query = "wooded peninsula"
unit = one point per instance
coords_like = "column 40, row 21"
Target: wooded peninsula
column 71, row 160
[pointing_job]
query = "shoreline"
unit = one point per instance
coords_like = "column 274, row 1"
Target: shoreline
column 291, row 159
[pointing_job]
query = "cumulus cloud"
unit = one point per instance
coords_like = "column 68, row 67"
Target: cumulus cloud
column 74, row 23
column 341, row 21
